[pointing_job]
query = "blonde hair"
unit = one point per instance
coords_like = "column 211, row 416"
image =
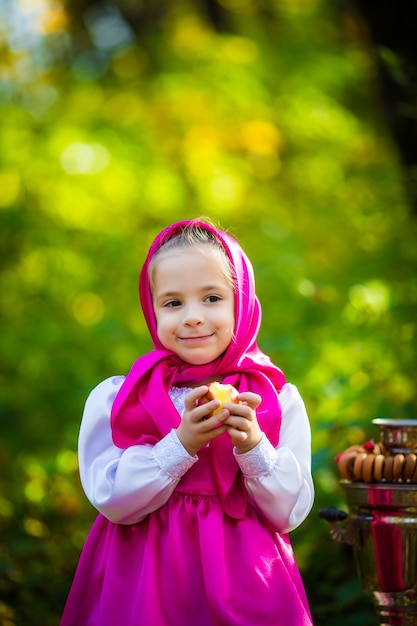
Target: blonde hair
column 194, row 234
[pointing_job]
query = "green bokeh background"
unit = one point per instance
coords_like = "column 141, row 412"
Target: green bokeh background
column 273, row 128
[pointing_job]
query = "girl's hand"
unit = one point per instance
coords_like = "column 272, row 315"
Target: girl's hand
column 197, row 428
column 242, row 424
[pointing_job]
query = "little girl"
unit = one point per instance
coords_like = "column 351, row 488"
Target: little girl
column 195, row 509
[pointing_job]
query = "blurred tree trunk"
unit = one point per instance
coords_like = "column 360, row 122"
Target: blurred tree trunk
column 392, row 25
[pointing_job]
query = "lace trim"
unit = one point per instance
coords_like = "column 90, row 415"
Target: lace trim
column 259, row 461
column 177, row 395
column 172, row 457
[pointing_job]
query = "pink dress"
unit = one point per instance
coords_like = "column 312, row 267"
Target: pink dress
column 188, row 563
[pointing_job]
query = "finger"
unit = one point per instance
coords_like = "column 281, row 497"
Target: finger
column 238, row 436
column 192, row 397
column 240, row 410
column 238, row 423
column 214, row 421
column 205, row 411
column 219, row 429
column 250, row 398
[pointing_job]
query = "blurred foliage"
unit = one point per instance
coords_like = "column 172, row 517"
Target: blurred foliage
column 268, row 122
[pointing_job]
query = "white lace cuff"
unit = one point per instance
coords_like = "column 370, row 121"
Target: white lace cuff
column 172, row 457
column 259, row 461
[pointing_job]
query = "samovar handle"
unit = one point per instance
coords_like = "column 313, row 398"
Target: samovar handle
column 349, row 534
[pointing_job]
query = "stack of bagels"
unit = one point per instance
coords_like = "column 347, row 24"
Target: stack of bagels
column 373, row 463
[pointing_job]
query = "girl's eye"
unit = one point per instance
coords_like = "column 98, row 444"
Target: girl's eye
column 172, row 303
column 213, row 298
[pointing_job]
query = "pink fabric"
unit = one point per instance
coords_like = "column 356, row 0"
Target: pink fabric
column 205, row 557
column 187, row 564
column 143, row 408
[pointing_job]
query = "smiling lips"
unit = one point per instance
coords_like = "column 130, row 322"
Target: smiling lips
column 195, row 339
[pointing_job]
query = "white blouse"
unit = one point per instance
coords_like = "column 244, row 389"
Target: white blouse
column 127, row 485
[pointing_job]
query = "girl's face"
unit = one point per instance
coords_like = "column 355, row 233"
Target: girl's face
column 193, row 302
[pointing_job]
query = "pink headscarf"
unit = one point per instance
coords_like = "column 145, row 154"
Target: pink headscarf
column 143, row 412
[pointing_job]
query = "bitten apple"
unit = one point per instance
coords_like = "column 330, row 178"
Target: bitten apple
column 226, row 394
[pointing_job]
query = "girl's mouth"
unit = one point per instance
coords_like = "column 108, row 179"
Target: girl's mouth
column 196, row 339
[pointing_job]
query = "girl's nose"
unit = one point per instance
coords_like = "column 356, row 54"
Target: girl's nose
column 193, row 316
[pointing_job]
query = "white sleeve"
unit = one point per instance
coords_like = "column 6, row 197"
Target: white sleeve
column 125, row 485
column 278, row 480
